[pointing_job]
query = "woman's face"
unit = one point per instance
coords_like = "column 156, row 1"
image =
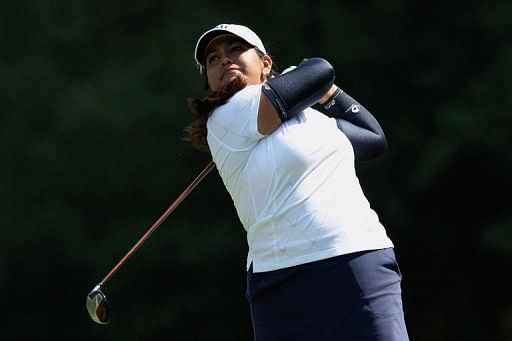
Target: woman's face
column 228, row 56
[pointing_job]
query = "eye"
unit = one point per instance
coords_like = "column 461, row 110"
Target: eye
column 213, row 58
column 237, row 48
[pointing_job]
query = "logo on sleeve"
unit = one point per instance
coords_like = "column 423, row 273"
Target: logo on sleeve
column 354, row 108
column 329, row 105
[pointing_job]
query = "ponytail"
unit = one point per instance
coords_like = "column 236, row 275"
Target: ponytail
column 202, row 109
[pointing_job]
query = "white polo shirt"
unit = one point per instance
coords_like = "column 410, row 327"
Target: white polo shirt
column 295, row 191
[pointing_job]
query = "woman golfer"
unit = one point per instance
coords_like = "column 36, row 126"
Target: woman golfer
column 320, row 265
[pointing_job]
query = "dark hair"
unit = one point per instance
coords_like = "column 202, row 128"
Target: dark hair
column 202, row 109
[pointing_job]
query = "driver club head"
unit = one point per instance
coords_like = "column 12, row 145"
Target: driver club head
column 97, row 306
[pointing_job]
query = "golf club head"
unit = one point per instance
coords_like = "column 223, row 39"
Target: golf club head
column 97, row 306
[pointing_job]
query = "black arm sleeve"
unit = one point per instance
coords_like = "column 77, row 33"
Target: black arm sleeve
column 358, row 124
column 294, row 91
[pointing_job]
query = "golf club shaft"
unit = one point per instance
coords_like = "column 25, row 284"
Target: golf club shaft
column 157, row 223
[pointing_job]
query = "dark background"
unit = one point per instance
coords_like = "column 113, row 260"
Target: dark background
column 92, row 98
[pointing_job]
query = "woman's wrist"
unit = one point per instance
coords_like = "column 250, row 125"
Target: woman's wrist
column 328, row 95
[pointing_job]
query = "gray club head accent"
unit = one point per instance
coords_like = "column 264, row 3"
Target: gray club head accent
column 97, row 306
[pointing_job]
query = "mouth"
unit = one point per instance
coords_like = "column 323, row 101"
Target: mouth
column 229, row 72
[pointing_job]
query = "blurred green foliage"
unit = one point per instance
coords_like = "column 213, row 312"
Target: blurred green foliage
column 93, row 106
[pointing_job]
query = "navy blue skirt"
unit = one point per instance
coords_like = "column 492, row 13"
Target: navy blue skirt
column 350, row 297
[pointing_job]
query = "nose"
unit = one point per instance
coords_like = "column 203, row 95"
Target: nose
column 226, row 60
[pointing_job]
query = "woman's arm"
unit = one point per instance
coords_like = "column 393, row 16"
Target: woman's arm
column 356, row 122
column 268, row 119
column 289, row 94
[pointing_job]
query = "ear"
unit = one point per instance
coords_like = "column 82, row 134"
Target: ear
column 266, row 65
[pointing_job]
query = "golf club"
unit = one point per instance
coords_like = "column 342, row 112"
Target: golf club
column 96, row 301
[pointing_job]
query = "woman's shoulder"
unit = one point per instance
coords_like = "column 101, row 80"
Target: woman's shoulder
column 247, row 94
column 244, row 99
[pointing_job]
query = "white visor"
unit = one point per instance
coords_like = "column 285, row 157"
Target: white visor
column 238, row 30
